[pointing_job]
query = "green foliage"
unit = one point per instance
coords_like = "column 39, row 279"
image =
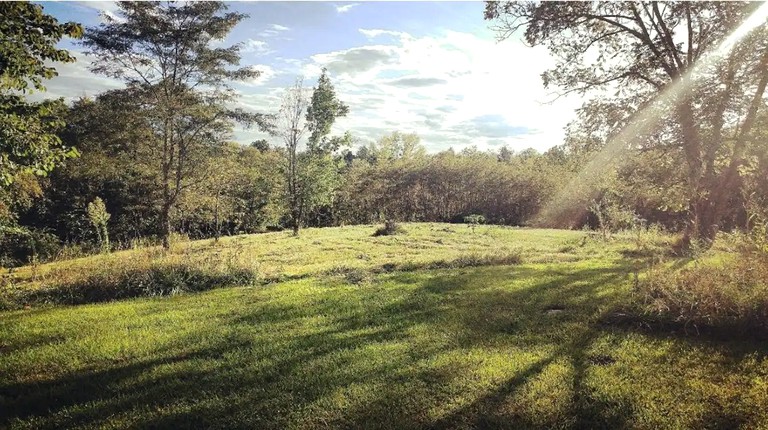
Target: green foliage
column 408, row 184
column 312, row 175
column 135, row 276
column 99, row 217
column 260, row 144
column 28, row 140
column 732, row 295
column 754, row 177
column 171, row 37
column 118, row 164
column 474, row 220
column 322, row 112
column 18, row 197
column 148, row 48
column 691, row 146
column 28, row 39
column 392, row 147
column 21, row 245
column 612, row 216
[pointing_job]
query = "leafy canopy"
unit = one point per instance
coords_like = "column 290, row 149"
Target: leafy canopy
column 28, row 141
column 322, row 112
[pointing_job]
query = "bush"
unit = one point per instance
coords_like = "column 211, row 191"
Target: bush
column 731, row 296
column 99, row 217
column 71, row 251
column 390, row 228
column 612, row 217
column 19, row 246
column 474, row 220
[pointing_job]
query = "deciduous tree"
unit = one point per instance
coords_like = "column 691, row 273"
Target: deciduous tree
column 312, row 174
column 28, row 140
column 165, row 53
column 628, row 54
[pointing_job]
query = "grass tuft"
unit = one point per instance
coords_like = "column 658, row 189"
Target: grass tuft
column 390, row 228
column 730, row 295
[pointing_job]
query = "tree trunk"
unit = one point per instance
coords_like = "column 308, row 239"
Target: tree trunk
column 294, row 188
column 165, row 221
column 105, row 233
column 216, row 217
column 711, row 205
column 296, row 218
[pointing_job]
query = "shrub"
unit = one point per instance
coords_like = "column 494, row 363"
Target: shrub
column 98, row 216
column 731, row 296
column 20, row 245
column 390, row 228
column 613, row 217
column 474, row 220
column 652, row 242
column 71, row 251
column 352, row 275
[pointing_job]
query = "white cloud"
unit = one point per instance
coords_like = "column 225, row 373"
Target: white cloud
column 373, row 33
column 453, row 89
column 258, row 47
column 357, row 60
column 74, row 80
column 273, row 30
column 346, row 8
column 456, row 89
column 110, row 6
column 105, row 9
column 112, row 16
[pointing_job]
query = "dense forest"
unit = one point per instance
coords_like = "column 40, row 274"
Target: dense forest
column 156, row 158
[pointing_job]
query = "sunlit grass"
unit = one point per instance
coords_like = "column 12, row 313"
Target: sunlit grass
column 279, row 256
column 509, row 346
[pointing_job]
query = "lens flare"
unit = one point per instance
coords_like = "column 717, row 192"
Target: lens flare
column 569, row 205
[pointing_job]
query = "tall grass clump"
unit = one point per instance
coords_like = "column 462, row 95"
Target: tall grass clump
column 390, row 228
column 729, row 295
column 144, row 274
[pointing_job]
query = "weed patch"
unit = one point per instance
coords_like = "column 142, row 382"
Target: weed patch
column 137, row 277
column 732, row 295
column 390, row 228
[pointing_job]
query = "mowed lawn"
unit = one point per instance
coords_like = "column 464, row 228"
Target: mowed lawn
column 528, row 345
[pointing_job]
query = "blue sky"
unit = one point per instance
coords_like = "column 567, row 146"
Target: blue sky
column 434, row 68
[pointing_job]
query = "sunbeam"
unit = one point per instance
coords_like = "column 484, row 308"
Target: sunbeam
column 566, row 208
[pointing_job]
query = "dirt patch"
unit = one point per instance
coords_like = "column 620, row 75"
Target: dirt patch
column 554, row 310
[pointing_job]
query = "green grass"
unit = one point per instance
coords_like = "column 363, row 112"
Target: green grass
column 464, row 347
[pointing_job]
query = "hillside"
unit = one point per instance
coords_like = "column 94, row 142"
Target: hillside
column 440, row 327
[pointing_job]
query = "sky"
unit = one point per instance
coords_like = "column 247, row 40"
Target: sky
column 433, row 68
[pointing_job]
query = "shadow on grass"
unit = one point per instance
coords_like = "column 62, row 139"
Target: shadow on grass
column 366, row 366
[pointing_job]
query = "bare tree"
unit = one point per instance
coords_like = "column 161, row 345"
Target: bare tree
column 292, row 127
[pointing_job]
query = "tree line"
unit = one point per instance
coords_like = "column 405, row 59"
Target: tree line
column 157, row 157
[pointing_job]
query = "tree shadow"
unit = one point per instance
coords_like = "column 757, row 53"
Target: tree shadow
column 325, row 375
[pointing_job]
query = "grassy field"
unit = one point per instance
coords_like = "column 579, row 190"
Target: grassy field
column 436, row 328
